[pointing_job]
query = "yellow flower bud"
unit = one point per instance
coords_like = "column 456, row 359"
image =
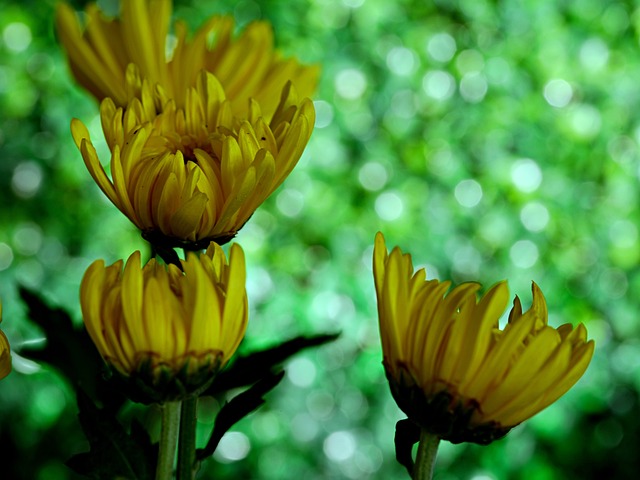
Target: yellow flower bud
column 167, row 331
column 452, row 370
column 189, row 176
column 247, row 66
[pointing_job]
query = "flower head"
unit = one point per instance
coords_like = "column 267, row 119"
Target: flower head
column 247, row 66
column 5, row 352
column 167, row 331
column 195, row 174
column 452, row 370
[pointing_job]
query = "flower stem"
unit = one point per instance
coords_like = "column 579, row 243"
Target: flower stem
column 187, row 446
column 168, row 440
column 426, row 457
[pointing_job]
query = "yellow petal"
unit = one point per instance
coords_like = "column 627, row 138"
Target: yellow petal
column 83, row 60
column 186, row 219
column 132, row 299
column 91, row 291
column 500, row 357
column 478, row 338
column 145, row 37
column 207, row 309
column 158, row 319
column 234, row 321
column 83, row 142
column 519, row 377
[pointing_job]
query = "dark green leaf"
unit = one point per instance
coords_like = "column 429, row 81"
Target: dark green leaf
column 68, row 349
column 407, row 434
column 246, row 370
column 113, row 452
column 238, row 408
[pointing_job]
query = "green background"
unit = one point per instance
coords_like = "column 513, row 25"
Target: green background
column 492, row 140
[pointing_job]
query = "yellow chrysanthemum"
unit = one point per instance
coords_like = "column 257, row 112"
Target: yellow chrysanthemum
column 452, row 370
column 169, row 331
column 5, row 352
column 247, row 66
column 189, row 176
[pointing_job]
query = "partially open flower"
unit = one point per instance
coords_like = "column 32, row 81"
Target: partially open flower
column 452, row 370
column 5, row 352
column 247, row 66
column 167, row 332
column 189, row 176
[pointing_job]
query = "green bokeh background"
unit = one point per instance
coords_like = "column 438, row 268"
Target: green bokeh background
column 491, row 140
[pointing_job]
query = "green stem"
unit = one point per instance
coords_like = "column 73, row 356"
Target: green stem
column 426, row 457
column 187, row 446
column 168, row 440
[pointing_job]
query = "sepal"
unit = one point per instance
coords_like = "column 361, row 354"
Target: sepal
column 441, row 414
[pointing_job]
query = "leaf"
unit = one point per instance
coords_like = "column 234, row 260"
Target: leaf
column 68, row 349
column 237, row 408
column 246, row 370
column 407, row 434
column 113, row 452
column 255, row 369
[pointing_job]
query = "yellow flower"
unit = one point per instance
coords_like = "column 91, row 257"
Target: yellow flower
column 189, row 176
column 5, row 352
column 247, row 66
column 169, row 331
column 452, row 370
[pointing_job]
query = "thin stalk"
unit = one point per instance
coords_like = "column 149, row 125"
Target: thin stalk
column 187, row 442
column 187, row 445
column 168, row 440
column 426, row 457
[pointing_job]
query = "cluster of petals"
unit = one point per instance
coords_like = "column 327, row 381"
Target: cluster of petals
column 169, row 319
column 197, row 173
column 450, row 341
column 101, row 48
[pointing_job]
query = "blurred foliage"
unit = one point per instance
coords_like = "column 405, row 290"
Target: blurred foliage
column 490, row 139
